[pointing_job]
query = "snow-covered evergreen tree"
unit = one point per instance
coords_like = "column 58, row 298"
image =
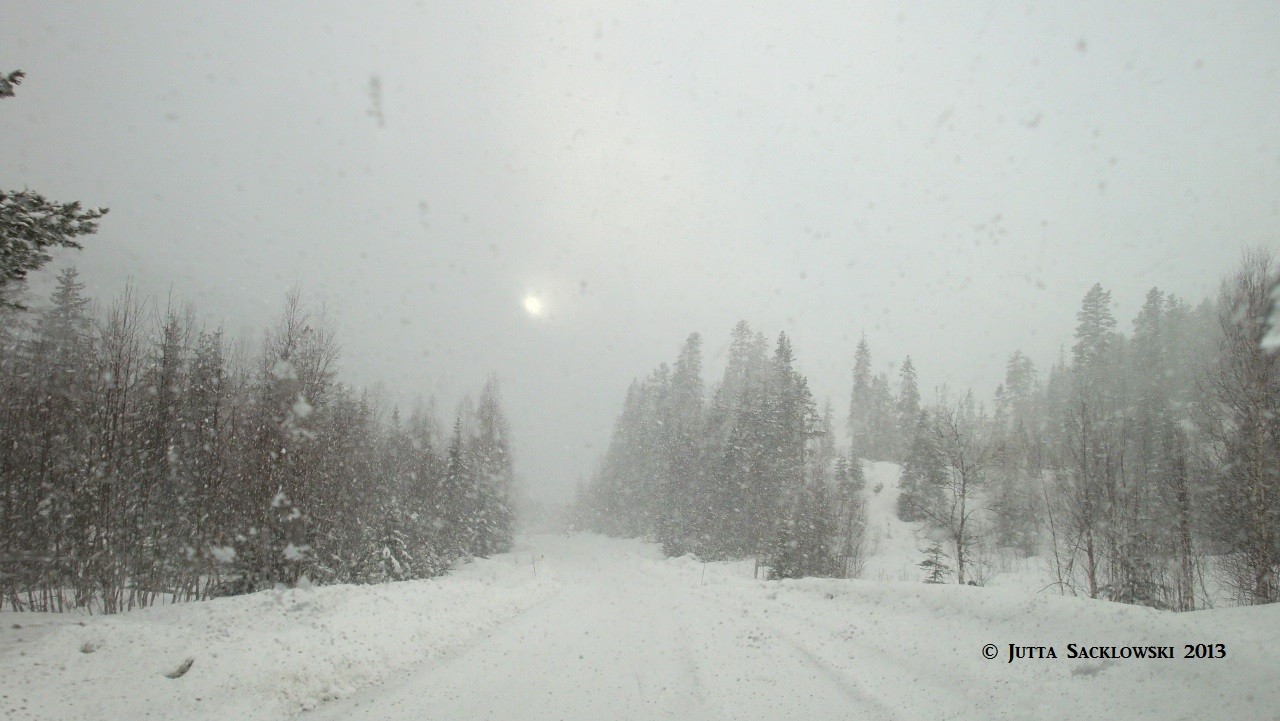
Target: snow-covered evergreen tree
column 934, row 564
column 495, row 473
column 907, row 408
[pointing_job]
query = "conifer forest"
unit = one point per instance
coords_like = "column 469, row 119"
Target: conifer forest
column 147, row 457
column 567, row 361
column 1142, row 458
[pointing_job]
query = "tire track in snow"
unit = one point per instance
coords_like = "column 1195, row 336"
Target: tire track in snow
column 767, row 654
column 847, row 687
column 620, row 642
column 923, row 670
column 741, row 600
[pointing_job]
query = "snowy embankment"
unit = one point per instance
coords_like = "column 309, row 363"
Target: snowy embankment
column 266, row 655
column 914, row 650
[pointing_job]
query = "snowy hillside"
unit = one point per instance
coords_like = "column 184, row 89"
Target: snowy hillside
column 895, row 547
column 601, row 628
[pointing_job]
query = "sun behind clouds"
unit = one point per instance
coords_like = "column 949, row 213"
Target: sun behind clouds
column 533, row 305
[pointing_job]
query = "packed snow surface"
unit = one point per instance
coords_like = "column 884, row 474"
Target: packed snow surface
column 267, row 655
column 591, row 628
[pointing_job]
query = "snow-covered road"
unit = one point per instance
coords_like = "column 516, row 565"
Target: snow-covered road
column 617, row 643
column 631, row 636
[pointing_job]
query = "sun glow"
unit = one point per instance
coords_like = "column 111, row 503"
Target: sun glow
column 533, row 305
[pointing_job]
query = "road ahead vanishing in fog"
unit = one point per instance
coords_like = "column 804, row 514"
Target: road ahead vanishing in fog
column 617, row 643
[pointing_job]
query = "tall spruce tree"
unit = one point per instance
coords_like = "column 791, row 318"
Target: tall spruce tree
column 907, row 407
column 860, row 401
column 1017, row 468
column 921, row 481
column 1092, row 446
column 495, row 473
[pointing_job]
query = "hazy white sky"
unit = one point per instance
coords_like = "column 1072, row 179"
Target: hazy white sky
column 949, row 178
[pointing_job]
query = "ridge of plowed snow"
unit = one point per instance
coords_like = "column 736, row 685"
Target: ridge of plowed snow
column 265, row 655
column 914, row 650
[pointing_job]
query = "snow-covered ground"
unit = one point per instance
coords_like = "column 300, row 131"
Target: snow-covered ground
column 607, row 629
column 910, row 650
column 586, row 627
column 267, row 655
column 895, row 548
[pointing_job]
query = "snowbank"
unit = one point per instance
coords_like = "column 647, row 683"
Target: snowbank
column 263, row 656
column 908, row 646
column 917, row 648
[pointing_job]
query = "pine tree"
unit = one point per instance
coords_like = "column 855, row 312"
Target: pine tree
column 851, row 516
column 935, row 568
column 1017, row 468
column 1093, row 333
column 921, row 481
column 735, row 447
column 202, row 463
column 908, row 408
column 453, row 509
column 860, row 401
column 50, row 445
column 1093, row 447
column 495, row 471
column 1145, row 532
column 683, row 527
column 802, row 541
column 882, row 421
column 31, row 224
column 9, row 82
column 163, row 527
column 396, row 562
column 783, row 436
